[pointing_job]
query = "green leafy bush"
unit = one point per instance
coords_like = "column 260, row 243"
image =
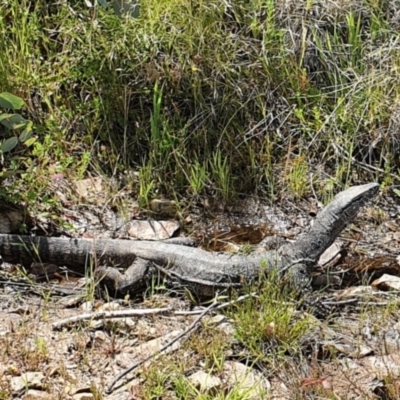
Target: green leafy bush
column 19, row 129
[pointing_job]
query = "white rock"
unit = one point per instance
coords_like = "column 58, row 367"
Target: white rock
column 245, row 380
column 112, row 306
column 152, row 230
column 87, row 306
column 387, row 281
column 88, row 187
column 205, row 382
column 331, row 255
column 37, row 395
column 100, row 336
column 33, row 380
column 83, row 396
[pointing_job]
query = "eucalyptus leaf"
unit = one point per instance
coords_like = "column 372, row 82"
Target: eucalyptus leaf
column 20, row 126
column 14, row 121
column 9, row 144
column 4, row 116
column 25, row 135
column 8, row 100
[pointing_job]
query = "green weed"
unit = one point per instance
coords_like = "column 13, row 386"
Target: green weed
column 221, row 174
column 267, row 325
column 298, row 176
column 198, row 177
column 146, row 184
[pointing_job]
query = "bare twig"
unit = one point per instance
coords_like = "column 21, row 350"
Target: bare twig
column 219, row 306
column 344, row 271
column 137, row 364
column 339, row 302
column 108, row 315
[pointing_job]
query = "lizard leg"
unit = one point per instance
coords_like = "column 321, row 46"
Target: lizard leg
column 134, row 280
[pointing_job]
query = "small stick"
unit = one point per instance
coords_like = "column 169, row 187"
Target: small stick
column 219, row 306
column 231, row 302
column 340, row 272
column 137, row 364
column 107, row 315
column 339, row 302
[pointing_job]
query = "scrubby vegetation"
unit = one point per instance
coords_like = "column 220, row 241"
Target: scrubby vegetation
column 205, row 97
column 187, row 100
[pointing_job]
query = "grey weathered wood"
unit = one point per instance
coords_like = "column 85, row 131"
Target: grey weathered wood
column 192, row 266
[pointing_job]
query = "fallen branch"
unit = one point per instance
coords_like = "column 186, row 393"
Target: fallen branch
column 107, row 315
column 220, row 306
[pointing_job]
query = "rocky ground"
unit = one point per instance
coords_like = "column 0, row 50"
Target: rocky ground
column 355, row 354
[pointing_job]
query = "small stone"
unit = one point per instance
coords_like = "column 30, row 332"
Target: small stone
column 36, row 395
column 166, row 208
column 245, row 380
column 70, row 301
column 152, row 230
column 331, row 255
column 130, row 322
column 88, row 187
column 112, row 306
column 83, row 396
column 99, row 336
column 87, row 306
column 386, row 282
column 33, row 380
column 232, row 248
column 205, row 382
